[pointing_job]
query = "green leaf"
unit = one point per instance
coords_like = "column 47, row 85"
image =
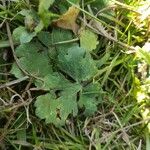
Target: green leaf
column 88, row 40
column 56, row 110
column 44, row 5
column 46, row 108
column 44, row 13
column 16, row 71
column 90, row 98
column 39, row 27
column 32, row 20
column 53, row 81
column 57, row 36
column 52, row 40
column 77, row 64
column 21, row 35
column 33, row 60
column 64, row 5
column 45, row 38
column 88, row 103
column 71, row 61
column 60, row 35
column 92, row 89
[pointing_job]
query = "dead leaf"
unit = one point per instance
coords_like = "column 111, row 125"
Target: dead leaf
column 68, row 20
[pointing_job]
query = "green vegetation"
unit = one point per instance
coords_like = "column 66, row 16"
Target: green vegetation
column 74, row 75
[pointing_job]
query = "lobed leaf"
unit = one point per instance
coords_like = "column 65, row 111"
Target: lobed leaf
column 56, row 110
column 90, row 98
column 33, row 60
column 21, row 35
column 74, row 67
column 88, row 40
column 53, row 81
column 77, row 64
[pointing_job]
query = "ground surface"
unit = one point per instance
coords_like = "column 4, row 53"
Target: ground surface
column 74, row 75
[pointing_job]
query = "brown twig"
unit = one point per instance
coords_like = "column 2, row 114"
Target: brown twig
column 14, row 82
